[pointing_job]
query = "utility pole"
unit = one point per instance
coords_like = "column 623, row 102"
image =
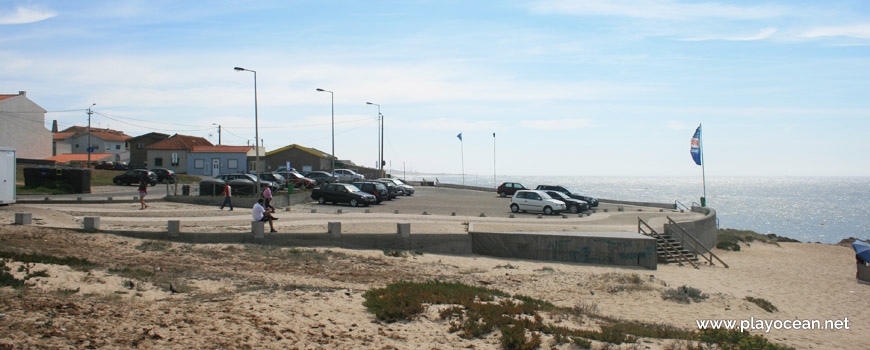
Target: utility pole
column 90, row 111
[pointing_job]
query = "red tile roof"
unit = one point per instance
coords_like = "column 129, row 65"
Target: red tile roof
column 221, row 149
column 79, row 157
column 180, row 142
column 110, row 137
column 62, row 135
column 102, row 133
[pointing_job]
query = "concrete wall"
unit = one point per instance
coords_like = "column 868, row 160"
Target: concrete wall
column 166, row 155
column 621, row 249
column 705, row 230
column 22, row 126
column 100, row 145
column 279, row 200
column 642, row 204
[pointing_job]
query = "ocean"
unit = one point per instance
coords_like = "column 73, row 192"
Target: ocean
column 809, row 209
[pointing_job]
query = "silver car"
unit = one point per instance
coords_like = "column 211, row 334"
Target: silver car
column 405, row 188
column 532, row 200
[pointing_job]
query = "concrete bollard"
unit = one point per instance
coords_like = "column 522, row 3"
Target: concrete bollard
column 564, row 216
column 79, row 199
column 258, row 228
column 313, row 211
column 338, row 211
column 483, row 215
column 606, row 210
column 92, row 223
column 396, row 211
column 135, row 198
column 580, row 215
column 47, row 198
column 425, row 213
column 403, row 230
column 640, row 209
column 682, row 211
column 108, row 198
column 588, row 214
column 594, row 210
column 23, row 218
column 368, row 211
column 620, row 208
column 540, row 216
column 334, row 229
column 174, row 228
column 511, row 216
column 453, row 213
column 661, row 210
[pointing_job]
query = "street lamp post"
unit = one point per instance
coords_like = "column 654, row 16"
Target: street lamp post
column 219, row 132
column 256, row 126
column 90, row 111
column 380, row 140
column 332, row 104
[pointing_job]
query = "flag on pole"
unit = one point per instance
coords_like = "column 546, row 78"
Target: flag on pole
column 696, row 146
column 459, row 136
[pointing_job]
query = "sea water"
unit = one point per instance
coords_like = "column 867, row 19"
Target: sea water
column 809, row 209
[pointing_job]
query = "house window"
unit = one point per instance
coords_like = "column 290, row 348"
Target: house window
column 77, row 145
column 199, row 163
column 158, row 161
column 175, row 159
column 233, row 163
column 117, row 146
column 140, row 146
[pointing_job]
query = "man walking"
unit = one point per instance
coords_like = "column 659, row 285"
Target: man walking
column 227, row 197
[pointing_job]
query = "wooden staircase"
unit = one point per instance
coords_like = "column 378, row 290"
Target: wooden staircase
column 672, row 251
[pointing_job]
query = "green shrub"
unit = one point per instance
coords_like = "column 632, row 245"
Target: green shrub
column 763, row 304
column 728, row 245
column 736, row 340
column 81, row 264
column 514, row 337
column 684, row 295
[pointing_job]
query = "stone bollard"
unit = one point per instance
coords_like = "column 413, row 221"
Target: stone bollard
column 564, row 216
column 594, row 210
column 587, row 214
column 580, row 215
column 338, row 211
column 453, row 213
column 368, row 211
column 92, row 223
column 47, row 198
column 540, row 216
column 334, row 229
column 511, row 216
column 313, row 211
column 483, row 215
column 108, row 198
column 620, row 208
column 135, row 198
column 661, row 210
column 640, row 209
column 174, row 228
column 23, row 218
column 395, row 211
column 258, row 228
column 403, row 230
column 681, row 210
column 425, row 213
column 79, row 199
column 606, row 210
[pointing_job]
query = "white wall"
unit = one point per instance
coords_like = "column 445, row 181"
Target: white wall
column 22, row 126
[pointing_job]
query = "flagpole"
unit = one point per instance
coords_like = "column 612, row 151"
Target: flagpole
column 462, row 150
column 703, row 173
column 494, row 181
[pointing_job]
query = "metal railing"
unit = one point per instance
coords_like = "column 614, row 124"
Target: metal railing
column 679, row 204
column 669, row 248
column 696, row 244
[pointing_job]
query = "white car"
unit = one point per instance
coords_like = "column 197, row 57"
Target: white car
column 406, row 188
column 348, row 176
column 533, row 200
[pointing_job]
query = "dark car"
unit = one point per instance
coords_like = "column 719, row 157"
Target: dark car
column 249, row 177
column 133, row 176
column 379, row 190
column 298, row 180
column 570, row 192
column 574, row 205
column 275, row 177
column 342, row 193
column 321, row 177
column 509, row 188
column 165, row 175
column 393, row 190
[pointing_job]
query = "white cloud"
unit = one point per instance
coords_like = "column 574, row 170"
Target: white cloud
column 761, row 35
column 675, row 125
column 455, row 124
column 557, row 124
column 860, row 31
column 24, row 15
column 655, row 9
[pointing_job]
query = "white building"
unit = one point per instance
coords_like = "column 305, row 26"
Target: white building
column 22, row 126
column 75, row 140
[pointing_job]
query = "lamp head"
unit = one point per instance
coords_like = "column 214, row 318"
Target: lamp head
column 369, row 103
column 239, row 69
column 319, row 89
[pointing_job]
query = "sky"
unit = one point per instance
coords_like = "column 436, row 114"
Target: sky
column 569, row 88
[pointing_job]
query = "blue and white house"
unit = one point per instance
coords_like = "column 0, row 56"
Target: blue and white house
column 216, row 160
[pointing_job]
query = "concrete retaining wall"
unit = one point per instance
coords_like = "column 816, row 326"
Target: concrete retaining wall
column 605, row 248
column 642, row 204
column 705, row 230
column 278, row 201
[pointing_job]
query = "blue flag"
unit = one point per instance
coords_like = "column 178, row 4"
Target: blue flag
column 459, row 136
column 696, row 146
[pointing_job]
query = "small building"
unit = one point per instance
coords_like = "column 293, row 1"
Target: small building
column 216, row 160
column 136, row 145
column 23, row 127
column 303, row 159
column 75, row 139
column 173, row 152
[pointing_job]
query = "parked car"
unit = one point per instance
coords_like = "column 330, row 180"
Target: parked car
column 167, row 175
column 105, row 166
column 275, row 177
column 298, row 180
column 132, row 177
column 407, row 189
column 509, row 188
column 348, row 176
column 378, row 189
column 342, row 193
column 320, row 177
column 532, row 200
column 570, row 192
column 394, row 190
column 249, row 177
column 120, row 166
column 574, row 205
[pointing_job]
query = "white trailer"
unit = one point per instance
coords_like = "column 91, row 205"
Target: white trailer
column 7, row 175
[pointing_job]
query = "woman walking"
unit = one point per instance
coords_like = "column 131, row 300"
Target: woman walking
column 143, row 190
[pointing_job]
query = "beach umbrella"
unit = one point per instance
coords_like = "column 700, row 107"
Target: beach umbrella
column 862, row 249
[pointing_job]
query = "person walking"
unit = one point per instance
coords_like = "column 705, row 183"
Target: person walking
column 261, row 214
column 267, row 194
column 143, row 190
column 228, row 200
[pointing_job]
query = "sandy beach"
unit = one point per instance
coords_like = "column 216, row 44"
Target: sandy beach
column 253, row 296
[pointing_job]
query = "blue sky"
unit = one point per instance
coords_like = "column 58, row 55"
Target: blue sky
column 569, row 87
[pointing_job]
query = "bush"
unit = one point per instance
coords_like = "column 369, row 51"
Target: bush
column 514, row 337
column 763, row 304
column 684, row 295
column 728, row 245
